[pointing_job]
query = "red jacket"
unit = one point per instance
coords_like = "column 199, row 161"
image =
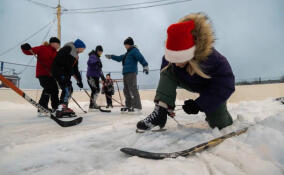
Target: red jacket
column 46, row 55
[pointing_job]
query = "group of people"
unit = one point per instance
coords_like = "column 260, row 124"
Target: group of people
column 190, row 62
column 55, row 67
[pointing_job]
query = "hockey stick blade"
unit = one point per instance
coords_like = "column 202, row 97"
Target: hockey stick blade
column 104, row 110
column 67, row 123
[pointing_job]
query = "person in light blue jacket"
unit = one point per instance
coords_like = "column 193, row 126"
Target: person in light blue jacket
column 130, row 70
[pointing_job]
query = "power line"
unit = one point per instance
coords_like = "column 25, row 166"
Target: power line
column 41, row 29
column 129, row 8
column 31, row 59
column 41, row 4
column 115, row 6
column 18, row 64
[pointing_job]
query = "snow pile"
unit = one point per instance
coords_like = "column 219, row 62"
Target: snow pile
column 31, row 145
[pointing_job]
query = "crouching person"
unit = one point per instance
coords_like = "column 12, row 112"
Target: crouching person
column 65, row 66
column 192, row 63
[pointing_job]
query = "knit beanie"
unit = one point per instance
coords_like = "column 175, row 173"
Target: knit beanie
column 79, row 44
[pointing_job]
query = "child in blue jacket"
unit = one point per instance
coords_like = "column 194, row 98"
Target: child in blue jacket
column 130, row 70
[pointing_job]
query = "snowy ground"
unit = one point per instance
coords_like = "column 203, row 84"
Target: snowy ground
column 31, row 145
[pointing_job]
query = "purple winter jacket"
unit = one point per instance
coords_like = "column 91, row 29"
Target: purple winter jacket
column 214, row 91
column 94, row 67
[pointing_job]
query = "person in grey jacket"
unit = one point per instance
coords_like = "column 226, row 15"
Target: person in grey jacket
column 130, row 70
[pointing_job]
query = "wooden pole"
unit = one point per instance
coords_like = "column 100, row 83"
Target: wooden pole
column 59, row 20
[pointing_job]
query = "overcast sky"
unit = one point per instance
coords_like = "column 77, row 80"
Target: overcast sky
column 249, row 33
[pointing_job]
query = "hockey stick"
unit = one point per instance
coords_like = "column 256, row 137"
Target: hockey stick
column 78, row 105
column 38, row 106
column 114, row 100
column 102, row 110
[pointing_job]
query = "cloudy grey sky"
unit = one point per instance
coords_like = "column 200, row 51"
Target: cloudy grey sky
column 249, row 33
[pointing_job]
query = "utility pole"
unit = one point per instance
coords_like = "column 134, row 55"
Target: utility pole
column 58, row 20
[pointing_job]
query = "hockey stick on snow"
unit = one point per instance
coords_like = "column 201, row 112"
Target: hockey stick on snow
column 38, row 106
column 102, row 110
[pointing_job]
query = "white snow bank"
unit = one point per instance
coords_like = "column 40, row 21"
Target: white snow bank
column 31, row 145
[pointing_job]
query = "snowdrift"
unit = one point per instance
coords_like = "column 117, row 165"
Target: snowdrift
column 31, row 145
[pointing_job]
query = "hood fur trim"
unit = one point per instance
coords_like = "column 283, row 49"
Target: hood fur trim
column 203, row 35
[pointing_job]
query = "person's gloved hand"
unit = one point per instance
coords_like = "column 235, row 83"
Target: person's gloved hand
column 190, row 107
column 146, row 70
column 26, row 46
column 80, row 84
column 108, row 56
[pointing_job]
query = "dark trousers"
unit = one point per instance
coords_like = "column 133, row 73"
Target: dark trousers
column 108, row 98
column 50, row 90
column 166, row 92
column 130, row 90
column 94, row 84
column 65, row 84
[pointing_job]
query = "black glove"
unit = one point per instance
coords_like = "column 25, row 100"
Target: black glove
column 80, row 84
column 26, row 46
column 146, row 70
column 108, row 56
column 190, row 107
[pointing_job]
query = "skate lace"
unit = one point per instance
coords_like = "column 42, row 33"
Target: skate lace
column 152, row 116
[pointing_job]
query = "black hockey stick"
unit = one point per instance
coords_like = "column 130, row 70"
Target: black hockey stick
column 102, row 110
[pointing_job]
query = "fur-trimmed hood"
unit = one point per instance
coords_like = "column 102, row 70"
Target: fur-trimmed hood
column 203, row 35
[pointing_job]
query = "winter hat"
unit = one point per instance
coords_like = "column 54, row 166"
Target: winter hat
column 129, row 41
column 99, row 48
column 79, row 44
column 180, row 45
column 54, row 40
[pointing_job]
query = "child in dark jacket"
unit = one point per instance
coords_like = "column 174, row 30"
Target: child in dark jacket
column 94, row 74
column 108, row 90
column 45, row 55
column 65, row 66
column 191, row 62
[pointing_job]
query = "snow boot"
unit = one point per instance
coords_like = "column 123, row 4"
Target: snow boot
column 64, row 111
column 157, row 118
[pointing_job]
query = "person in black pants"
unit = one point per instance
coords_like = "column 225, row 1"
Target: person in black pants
column 94, row 74
column 50, row 91
column 46, row 54
column 108, row 90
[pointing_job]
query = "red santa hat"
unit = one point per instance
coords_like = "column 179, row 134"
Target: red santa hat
column 180, row 44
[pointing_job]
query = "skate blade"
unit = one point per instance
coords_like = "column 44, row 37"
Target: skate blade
column 151, row 130
column 68, row 116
